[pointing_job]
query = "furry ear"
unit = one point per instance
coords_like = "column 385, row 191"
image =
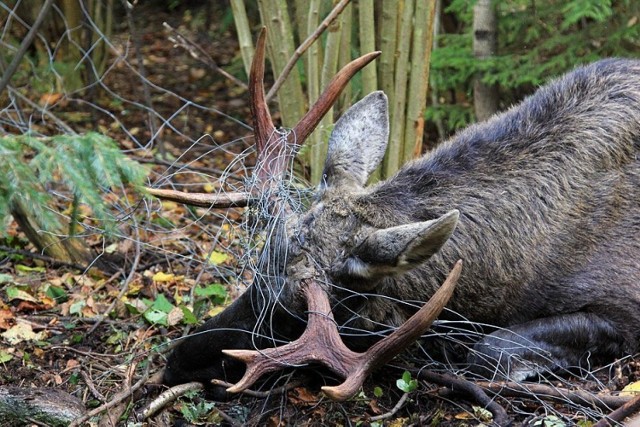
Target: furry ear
column 396, row 250
column 357, row 143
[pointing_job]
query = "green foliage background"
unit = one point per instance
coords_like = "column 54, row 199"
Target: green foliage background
column 86, row 165
column 538, row 40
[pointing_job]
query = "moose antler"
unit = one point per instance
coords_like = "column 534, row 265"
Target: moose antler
column 274, row 150
column 321, row 342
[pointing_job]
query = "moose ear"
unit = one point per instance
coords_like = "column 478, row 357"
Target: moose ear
column 357, row 143
column 396, row 250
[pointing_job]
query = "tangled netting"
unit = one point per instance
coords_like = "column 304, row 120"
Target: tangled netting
column 145, row 116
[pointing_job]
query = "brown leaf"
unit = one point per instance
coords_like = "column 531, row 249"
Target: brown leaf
column 7, row 319
column 49, row 98
column 302, row 396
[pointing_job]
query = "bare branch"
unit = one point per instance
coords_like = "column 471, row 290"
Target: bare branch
column 204, row 200
column 26, row 42
column 198, row 53
column 308, row 123
column 305, row 45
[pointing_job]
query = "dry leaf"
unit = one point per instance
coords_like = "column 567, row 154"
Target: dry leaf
column 21, row 332
column 632, row 389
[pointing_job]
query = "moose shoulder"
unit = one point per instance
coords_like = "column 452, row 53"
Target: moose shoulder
column 542, row 202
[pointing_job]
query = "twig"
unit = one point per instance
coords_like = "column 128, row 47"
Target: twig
column 154, row 127
column 500, row 416
column 200, row 54
column 36, row 422
column 43, row 111
column 581, row 397
column 172, row 394
column 125, row 285
column 178, row 166
column 115, row 400
column 621, row 413
column 45, row 258
column 304, row 46
column 167, row 397
column 110, row 418
column 393, row 410
column 262, row 394
column 92, row 387
column 26, row 42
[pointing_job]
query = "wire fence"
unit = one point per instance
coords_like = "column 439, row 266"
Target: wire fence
column 157, row 102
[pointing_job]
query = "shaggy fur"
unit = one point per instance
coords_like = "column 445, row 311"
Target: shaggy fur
column 547, row 196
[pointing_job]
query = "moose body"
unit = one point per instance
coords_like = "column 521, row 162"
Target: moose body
column 542, row 202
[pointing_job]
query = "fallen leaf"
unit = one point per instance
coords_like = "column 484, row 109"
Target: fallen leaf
column 21, row 332
column 175, row 316
column 163, row 277
column 50, row 98
column 7, row 319
column 17, row 293
column 632, row 389
column 217, row 258
column 302, row 396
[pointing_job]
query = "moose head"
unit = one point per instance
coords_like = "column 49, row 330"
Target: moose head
column 541, row 202
column 311, row 262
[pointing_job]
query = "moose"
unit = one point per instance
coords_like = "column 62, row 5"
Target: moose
column 541, row 203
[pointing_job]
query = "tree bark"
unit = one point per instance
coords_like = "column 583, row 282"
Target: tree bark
column 44, row 405
column 485, row 44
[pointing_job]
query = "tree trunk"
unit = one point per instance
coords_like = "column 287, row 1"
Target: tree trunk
column 485, row 43
column 70, row 250
column 44, row 406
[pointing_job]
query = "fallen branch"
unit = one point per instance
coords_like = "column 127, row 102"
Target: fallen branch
column 457, row 384
column 262, row 394
column 115, row 400
column 556, row 394
column 48, row 406
column 621, row 413
column 393, row 410
column 166, row 397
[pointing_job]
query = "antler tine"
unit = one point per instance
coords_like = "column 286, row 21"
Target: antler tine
column 309, row 121
column 263, row 124
column 321, row 343
column 204, row 200
column 387, row 348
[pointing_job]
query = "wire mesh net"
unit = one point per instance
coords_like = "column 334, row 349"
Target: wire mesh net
column 116, row 84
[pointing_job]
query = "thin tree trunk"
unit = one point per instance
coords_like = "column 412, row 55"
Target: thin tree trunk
column 388, row 29
column 345, row 53
column 398, row 103
column 313, row 88
column 245, row 39
column 367, row 44
column 329, row 69
column 419, row 78
column 434, row 90
column 275, row 17
column 367, row 34
column 485, row 44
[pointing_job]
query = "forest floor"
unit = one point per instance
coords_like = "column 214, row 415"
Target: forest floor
column 96, row 335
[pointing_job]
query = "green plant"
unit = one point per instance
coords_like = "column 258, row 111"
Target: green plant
column 406, row 383
column 536, row 41
column 79, row 170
